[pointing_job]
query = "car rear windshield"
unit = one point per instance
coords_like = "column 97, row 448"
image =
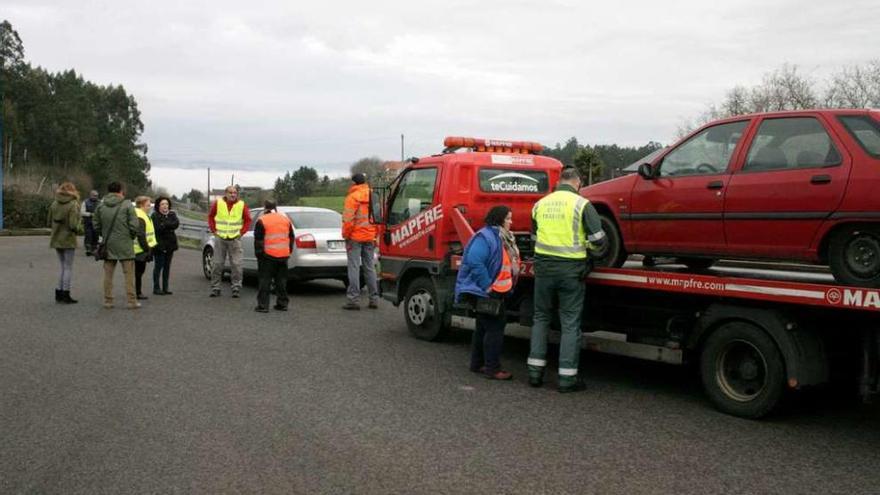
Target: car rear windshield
column 865, row 130
column 315, row 219
column 517, row 181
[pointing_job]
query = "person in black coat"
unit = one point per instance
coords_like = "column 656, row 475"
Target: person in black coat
column 165, row 222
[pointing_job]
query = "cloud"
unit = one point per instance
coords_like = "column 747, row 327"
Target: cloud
column 266, row 84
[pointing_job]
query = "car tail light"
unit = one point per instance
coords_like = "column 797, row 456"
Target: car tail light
column 306, row 241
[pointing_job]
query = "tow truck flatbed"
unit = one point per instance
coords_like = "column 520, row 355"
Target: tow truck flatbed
column 813, row 289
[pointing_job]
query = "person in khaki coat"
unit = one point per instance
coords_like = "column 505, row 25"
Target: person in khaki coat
column 119, row 237
column 66, row 223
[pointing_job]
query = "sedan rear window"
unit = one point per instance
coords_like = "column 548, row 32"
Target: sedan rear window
column 866, row 131
column 791, row 143
column 315, row 219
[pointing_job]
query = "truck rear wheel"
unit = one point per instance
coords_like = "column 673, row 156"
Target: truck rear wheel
column 742, row 370
column 420, row 309
column 612, row 253
column 854, row 256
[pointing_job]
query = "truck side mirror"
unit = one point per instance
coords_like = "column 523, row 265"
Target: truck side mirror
column 646, row 171
column 375, row 207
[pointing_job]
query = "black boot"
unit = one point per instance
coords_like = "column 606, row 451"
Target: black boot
column 65, row 294
column 58, row 297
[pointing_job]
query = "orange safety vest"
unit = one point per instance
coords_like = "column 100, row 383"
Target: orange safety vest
column 356, row 216
column 276, row 240
column 504, row 282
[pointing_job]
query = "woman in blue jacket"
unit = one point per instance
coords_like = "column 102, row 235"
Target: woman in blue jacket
column 486, row 274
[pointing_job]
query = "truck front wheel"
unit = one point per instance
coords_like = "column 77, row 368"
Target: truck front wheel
column 742, row 370
column 420, row 309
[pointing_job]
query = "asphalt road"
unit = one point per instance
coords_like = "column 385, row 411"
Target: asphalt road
column 191, row 394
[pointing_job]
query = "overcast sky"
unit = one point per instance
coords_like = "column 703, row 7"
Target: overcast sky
column 260, row 87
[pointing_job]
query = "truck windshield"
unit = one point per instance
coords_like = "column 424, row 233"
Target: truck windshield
column 517, row 181
column 414, row 193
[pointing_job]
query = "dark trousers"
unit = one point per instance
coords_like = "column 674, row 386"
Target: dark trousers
column 563, row 296
column 139, row 268
column 90, row 239
column 272, row 270
column 161, row 268
column 487, row 342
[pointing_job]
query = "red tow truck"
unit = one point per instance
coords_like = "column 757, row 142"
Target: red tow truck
column 755, row 333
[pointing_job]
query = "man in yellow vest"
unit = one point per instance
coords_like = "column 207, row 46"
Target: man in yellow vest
column 143, row 243
column 273, row 243
column 565, row 226
column 228, row 219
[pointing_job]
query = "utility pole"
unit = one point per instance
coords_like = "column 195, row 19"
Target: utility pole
column 401, row 148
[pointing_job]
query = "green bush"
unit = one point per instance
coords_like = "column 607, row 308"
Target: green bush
column 331, row 202
column 23, row 210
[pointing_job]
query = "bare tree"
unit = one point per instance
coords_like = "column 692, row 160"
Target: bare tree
column 783, row 89
column 855, row 87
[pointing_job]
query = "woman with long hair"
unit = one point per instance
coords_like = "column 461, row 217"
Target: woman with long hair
column 66, row 223
column 165, row 221
column 486, row 277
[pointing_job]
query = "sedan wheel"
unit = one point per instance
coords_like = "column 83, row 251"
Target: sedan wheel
column 855, row 256
column 208, row 262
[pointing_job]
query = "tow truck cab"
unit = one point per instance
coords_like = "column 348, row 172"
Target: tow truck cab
column 436, row 198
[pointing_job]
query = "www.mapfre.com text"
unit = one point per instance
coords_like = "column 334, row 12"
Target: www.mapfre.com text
column 686, row 283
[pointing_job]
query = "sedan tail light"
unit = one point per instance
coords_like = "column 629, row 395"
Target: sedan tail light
column 306, row 241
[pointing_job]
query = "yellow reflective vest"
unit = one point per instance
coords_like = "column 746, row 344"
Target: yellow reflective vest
column 560, row 225
column 229, row 222
column 151, row 232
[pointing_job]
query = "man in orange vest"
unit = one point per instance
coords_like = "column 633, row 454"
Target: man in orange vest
column 360, row 242
column 273, row 243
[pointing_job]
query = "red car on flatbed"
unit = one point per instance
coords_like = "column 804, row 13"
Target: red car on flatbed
column 755, row 334
column 792, row 186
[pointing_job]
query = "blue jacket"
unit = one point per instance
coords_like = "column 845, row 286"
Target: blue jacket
column 480, row 264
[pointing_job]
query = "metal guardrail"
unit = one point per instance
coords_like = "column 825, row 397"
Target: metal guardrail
column 192, row 231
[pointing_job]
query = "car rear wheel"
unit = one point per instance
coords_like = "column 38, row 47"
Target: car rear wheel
column 854, row 255
column 420, row 308
column 612, row 252
column 208, row 262
column 742, row 370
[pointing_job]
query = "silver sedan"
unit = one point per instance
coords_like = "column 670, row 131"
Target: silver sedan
column 319, row 250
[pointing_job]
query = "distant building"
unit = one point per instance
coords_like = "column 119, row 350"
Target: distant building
column 392, row 168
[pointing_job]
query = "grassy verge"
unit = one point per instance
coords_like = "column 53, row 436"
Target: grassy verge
column 331, row 202
column 193, row 215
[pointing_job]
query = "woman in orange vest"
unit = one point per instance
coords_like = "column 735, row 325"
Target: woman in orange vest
column 486, row 276
column 273, row 244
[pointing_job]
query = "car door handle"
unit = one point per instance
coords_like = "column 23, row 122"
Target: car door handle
column 715, row 184
column 820, row 179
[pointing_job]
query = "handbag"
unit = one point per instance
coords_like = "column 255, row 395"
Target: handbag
column 101, row 249
column 489, row 306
